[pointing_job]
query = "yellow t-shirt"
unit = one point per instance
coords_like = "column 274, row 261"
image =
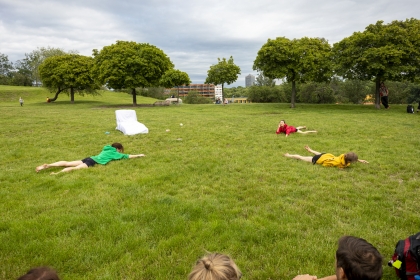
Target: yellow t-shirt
column 332, row 160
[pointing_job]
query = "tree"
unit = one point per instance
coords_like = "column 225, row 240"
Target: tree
column 34, row 59
column 6, row 68
column 381, row 52
column 262, row 80
column 68, row 72
column 297, row 60
column 225, row 71
column 128, row 65
column 175, row 78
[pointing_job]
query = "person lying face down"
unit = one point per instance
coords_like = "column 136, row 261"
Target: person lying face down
column 288, row 129
column 108, row 153
column 327, row 159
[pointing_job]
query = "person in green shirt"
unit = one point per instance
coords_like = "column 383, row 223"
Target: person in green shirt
column 109, row 153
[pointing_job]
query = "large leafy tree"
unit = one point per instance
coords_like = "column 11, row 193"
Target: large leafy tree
column 6, row 68
column 68, row 73
column 225, row 71
column 128, row 65
column 34, row 59
column 175, row 78
column 381, row 52
column 297, row 60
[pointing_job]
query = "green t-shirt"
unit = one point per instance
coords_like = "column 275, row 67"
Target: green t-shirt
column 108, row 153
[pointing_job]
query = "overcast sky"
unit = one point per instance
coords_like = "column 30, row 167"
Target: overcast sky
column 193, row 33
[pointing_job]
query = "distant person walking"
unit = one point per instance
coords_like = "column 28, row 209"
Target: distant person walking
column 383, row 92
column 21, row 101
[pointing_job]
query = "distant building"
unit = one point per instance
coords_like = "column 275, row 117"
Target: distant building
column 206, row 90
column 218, row 92
column 249, row 80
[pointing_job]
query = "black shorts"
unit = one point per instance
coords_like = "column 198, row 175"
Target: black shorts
column 89, row 162
column 315, row 158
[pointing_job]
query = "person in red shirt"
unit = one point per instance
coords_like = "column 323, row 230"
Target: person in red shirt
column 287, row 129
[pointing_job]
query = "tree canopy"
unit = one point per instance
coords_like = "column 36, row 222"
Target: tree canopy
column 297, row 60
column 70, row 72
column 225, row 71
column 175, row 78
column 382, row 52
column 128, row 65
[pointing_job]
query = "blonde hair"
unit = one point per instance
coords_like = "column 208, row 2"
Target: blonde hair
column 215, row 266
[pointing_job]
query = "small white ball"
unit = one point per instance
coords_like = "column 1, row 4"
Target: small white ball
column 181, row 124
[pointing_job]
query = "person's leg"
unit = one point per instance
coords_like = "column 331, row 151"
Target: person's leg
column 59, row 164
column 299, row 157
column 68, row 169
column 311, row 151
column 301, row 127
column 304, row 132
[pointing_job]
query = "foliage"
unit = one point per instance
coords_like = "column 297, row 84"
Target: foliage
column 413, row 94
column 297, row 60
column 354, row 91
column 266, row 94
column 129, row 65
column 69, row 72
column 154, row 92
column 382, row 52
column 29, row 66
column 219, row 183
column 225, row 71
column 236, row 92
column 175, row 78
column 262, row 80
column 319, row 93
column 6, row 68
column 194, row 97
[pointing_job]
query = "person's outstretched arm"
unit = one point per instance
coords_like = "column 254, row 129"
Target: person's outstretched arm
column 332, row 277
column 306, row 277
column 136, row 156
column 362, row 161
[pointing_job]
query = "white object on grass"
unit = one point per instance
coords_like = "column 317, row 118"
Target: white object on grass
column 127, row 123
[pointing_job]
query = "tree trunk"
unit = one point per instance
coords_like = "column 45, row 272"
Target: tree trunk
column 56, row 94
column 133, row 92
column 72, row 95
column 377, row 94
column 223, row 96
column 177, row 98
column 292, row 103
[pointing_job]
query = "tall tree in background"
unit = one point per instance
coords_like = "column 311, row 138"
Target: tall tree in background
column 6, row 68
column 175, row 78
column 128, row 65
column 225, row 71
column 68, row 73
column 262, row 80
column 297, row 60
column 381, row 52
column 34, row 59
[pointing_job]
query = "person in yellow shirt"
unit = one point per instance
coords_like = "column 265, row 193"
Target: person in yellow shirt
column 327, row 159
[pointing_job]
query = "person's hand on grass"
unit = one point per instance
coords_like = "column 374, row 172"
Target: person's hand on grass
column 305, row 277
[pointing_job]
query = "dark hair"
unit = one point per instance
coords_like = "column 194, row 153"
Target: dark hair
column 358, row 259
column 350, row 157
column 40, row 273
column 118, row 146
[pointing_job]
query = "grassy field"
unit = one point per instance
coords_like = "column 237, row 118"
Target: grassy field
column 218, row 183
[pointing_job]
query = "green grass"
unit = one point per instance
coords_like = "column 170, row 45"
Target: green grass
column 218, row 183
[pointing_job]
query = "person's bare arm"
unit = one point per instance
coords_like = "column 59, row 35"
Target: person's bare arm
column 332, row 277
column 136, row 156
column 362, row 161
column 305, row 277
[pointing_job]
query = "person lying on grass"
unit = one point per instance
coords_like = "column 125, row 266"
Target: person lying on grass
column 215, row 266
column 109, row 153
column 326, row 159
column 287, row 129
